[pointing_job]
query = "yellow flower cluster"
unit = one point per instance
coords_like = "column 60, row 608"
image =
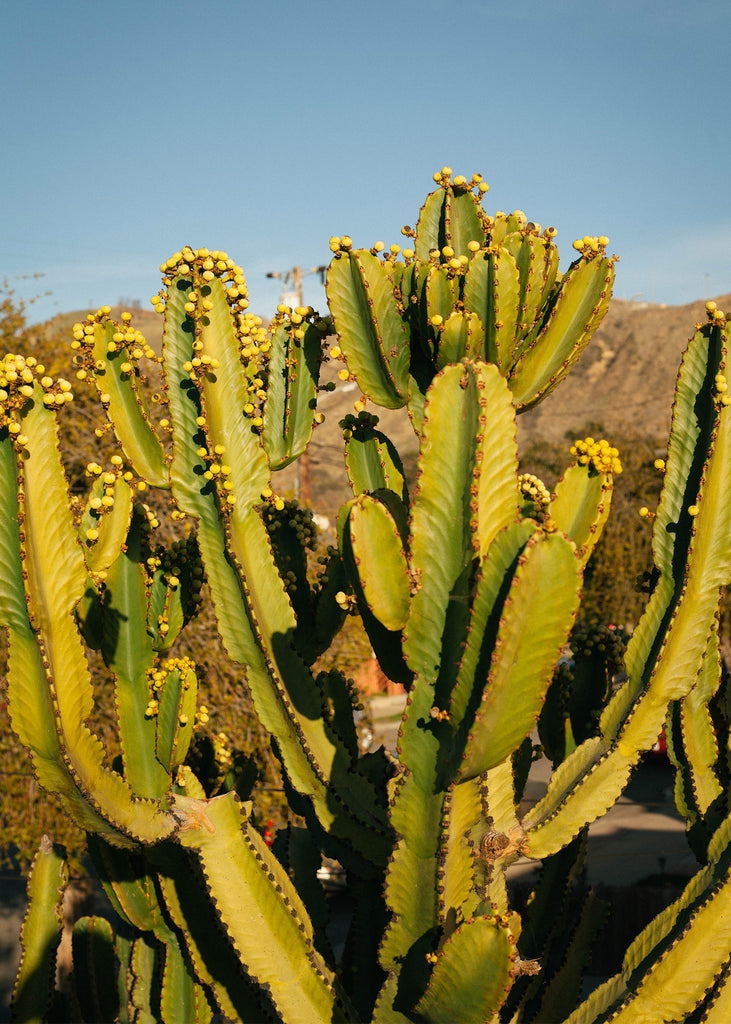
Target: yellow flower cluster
column 445, row 179
column 203, row 266
column 534, row 490
column 100, row 339
column 102, row 496
column 714, row 314
column 157, row 678
column 222, row 750
column 22, row 379
column 598, row 455
column 592, row 245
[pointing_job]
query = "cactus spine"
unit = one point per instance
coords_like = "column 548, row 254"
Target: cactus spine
column 468, row 588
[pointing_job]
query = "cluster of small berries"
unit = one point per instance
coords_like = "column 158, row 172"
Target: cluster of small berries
column 445, row 179
column 598, row 455
column 158, row 676
column 287, row 521
column 358, row 426
column 99, row 339
column 592, row 245
column 203, row 266
column 714, row 314
column 19, row 377
column 103, row 493
column 331, row 683
column 182, row 568
column 534, row 494
column 588, row 638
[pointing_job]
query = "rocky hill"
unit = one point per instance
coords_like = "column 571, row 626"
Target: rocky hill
column 626, row 376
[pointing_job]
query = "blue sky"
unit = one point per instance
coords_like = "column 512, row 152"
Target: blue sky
column 262, row 128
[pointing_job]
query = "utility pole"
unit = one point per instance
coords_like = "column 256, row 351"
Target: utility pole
column 294, row 297
column 294, row 278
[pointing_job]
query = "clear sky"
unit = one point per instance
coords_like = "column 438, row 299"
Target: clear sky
column 262, row 128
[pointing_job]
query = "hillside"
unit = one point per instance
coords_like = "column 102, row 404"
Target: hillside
column 626, row 375
column 623, row 382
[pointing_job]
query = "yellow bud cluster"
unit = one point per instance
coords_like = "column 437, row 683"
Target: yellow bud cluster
column 23, row 378
column 122, row 341
column 714, row 314
column 591, row 245
column 600, row 456
column 102, row 497
column 533, row 489
column 156, row 678
column 720, row 387
column 203, row 266
column 445, row 179
column 222, row 750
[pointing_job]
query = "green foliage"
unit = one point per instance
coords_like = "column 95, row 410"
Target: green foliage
column 468, row 585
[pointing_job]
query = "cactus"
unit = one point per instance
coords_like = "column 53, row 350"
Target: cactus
column 469, row 588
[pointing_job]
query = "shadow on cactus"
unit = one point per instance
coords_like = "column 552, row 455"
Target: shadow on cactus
column 468, row 584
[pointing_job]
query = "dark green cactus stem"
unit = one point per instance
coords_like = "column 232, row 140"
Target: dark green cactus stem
column 41, row 934
column 370, row 330
column 291, row 394
column 109, row 354
column 93, row 956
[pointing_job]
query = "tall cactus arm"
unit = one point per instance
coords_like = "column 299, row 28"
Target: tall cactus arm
column 294, row 372
column 583, row 497
column 40, row 935
column 693, row 424
column 472, row 974
column 260, row 910
column 495, row 573
column 579, row 307
column 665, row 655
column 536, row 258
column 545, row 591
column 466, row 494
column 55, row 576
column 700, row 747
column 492, row 290
column 441, row 291
column 254, row 613
column 379, row 555
column 109, row 353
column 460, row 337
column 128, row 650
column 696, row 421
column 458, row 898
column 108, row 511
column 371, row 460
column 371, row 333
column 214, row 960
column 451, row 216
column 93, row 957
